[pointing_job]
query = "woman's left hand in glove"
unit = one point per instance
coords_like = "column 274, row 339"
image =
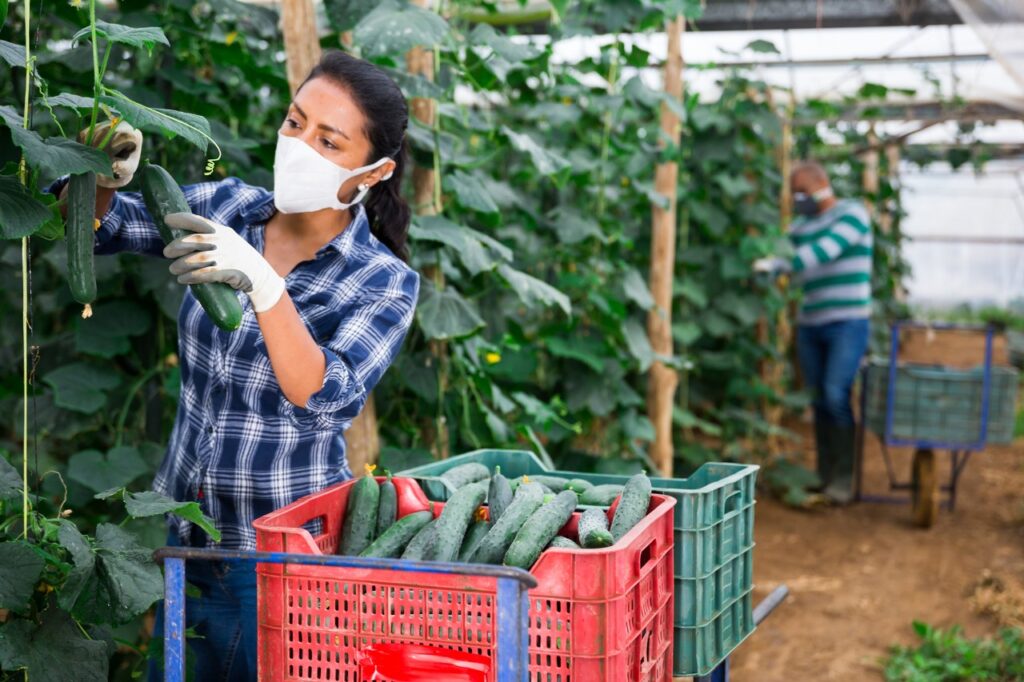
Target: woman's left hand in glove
column 216, row 253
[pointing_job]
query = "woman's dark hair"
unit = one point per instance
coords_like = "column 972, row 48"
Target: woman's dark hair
column 387, row 116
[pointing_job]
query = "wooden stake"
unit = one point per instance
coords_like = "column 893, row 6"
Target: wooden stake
column 301, row 42
column 663, row 380
column 869, row 178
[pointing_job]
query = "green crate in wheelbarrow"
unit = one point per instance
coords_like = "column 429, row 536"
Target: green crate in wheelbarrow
column 714, row 541
column 941, row 404
column 513, row 463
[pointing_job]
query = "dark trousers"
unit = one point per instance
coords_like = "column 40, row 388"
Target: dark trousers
column 830, row 355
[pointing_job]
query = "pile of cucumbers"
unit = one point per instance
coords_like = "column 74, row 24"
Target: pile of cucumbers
column 521, row 519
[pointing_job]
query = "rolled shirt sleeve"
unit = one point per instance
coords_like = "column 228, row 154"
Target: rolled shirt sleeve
column 361, row 349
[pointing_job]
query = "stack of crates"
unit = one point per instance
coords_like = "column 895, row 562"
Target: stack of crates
column 714, row 545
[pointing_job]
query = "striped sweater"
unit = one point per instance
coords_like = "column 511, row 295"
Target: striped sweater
column 833, row 263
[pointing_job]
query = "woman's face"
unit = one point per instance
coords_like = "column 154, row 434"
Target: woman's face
column 324, row 116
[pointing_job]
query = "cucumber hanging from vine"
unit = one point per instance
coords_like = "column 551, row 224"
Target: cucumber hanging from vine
column 81, row 223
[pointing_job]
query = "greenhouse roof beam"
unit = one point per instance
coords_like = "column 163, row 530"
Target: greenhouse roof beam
column 744, row 15
column 866, row 61
column 926, row 111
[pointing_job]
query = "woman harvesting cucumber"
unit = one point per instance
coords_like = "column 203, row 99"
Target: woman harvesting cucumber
column 328, row 301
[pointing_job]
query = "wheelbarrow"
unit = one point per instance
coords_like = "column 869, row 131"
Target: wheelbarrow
column 931, row 408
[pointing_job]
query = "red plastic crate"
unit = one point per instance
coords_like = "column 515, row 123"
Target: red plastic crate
column 597, row 615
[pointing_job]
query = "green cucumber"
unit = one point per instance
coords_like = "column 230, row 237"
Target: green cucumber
column 387, row 508
column 80, row 236
column 578, row 486
column 492, row 548
column 476, row 533
column 540, row 529
column 162, row 197
column 398, row 535
column 562, row 542
column 601, row 495
column 499, row 496
column 636, row 498
column 360, row 516
column 421, row 543
column 464, row 474
column 593, row 529
column 454, row 521
column 555, row 483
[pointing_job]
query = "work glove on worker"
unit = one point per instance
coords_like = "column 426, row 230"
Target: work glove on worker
column 216, row 253
column 772, row 264
column 124, row 149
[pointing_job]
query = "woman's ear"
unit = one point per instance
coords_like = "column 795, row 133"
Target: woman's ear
column 385, row 172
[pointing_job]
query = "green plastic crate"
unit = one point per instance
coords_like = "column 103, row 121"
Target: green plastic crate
column 714, row 541
column 1015, row 348
column 513, row 463
column 941, row 404
column 704, row 646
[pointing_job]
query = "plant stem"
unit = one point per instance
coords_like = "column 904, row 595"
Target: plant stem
column 96, row 86
column 23, row 176
column 135, row 388
column 606, row 132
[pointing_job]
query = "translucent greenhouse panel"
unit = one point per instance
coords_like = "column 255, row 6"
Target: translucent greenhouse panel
column 1000, row 25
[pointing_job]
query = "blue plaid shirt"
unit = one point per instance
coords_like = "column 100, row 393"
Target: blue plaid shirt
column 238, row 445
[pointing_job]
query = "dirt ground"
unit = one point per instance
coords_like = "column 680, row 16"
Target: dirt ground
column 859, row 576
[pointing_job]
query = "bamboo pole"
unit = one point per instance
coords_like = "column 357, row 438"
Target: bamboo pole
column 869, row 177
column 298, row 17
column 298, row 21
column 427, row 201
column 663, row 380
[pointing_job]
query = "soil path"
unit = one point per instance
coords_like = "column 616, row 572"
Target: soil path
column 859, row 576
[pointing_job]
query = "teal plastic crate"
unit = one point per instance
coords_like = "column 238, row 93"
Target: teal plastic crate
column 941, row 404
column 704, row 646
column 714, row 541
column 513, row 463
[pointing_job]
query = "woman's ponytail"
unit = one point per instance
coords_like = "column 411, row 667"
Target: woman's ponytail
column 387, row 209
column 387, row 116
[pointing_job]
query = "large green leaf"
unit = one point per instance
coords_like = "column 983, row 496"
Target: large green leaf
column 98, row 472
column 484, row 35
column 546, row 162
column 445, row 315
column 152, row 503
column 80, row 387
column 343, row 15
column 394, row 28
column 146, row 37
column 194, row 128
column 71, row 101
column 477, row 251
column 55, row 650
column 125, row 583
column 470, row 191
column 20, row 213
column 532, row 291
column 107, row 333
column 20, row 567
column 10, row 478
column 576, row 349
column 572, row 227
column 13, row 54
column 54, row 156
column 635, row 289
column 83, row 559
column 638, row 344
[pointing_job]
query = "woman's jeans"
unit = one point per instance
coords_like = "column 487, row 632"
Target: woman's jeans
column 830, row 356
column 223, row 618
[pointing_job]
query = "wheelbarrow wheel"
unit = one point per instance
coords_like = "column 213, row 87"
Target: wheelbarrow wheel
column 925, row 496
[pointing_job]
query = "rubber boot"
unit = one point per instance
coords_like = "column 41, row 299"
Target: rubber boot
column 825, row 460
column 842, row 441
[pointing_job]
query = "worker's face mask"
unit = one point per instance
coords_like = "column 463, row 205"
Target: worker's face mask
column 810, row 204
column 305, row 181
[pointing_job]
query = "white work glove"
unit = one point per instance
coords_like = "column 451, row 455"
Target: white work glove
column 124, row 150
column 772, row 264
column 216, row 253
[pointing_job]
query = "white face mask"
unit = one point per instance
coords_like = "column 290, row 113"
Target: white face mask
column 305, row 181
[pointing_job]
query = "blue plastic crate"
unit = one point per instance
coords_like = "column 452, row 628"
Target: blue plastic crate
column 513, row 463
